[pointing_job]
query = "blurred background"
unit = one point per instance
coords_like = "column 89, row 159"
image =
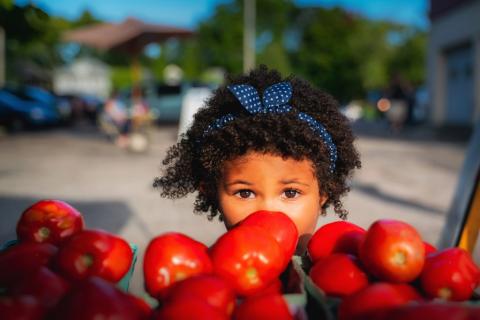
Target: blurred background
column 94, row 92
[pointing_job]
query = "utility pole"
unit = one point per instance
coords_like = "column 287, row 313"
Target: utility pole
column 248, row 35
column 2, row 57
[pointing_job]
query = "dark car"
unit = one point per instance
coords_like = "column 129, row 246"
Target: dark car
column 61, row 105
column 18, row 110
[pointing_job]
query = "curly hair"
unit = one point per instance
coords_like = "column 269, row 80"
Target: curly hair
column 195, row 162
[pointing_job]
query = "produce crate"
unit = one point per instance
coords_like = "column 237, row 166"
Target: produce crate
column 123, row 284
column 318, row 305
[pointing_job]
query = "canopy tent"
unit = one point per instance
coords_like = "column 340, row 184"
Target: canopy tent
column 130, row 36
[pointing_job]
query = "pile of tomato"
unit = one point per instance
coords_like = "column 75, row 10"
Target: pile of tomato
column 389, row 272
column 59, row 269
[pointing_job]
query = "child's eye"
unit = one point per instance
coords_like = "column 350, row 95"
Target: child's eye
column 291, row 193
column 244, row 194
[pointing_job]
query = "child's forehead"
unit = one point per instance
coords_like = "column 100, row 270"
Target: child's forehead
column 252, row 162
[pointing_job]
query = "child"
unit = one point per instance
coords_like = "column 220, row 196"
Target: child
column 264, row 143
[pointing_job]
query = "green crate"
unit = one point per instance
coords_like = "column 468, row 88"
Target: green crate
column 318, row 306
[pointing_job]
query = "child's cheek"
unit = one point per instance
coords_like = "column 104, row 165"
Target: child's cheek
column 231, row 217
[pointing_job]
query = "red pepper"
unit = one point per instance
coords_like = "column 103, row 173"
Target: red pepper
column 46, row 286
column 335, row 237
column 280, row 226
column 450, row 274
column 393, row 251
column 23, row 259
column 172, row 257
column 94, row 253
column 50, row 221
column 95, row 298
column 248, row 258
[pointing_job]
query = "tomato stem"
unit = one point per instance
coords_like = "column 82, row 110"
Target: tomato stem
column 400, row 258
column 42, row 234
column 180, row 276
column 87, row 260
column 252, row 275
column 445, row 293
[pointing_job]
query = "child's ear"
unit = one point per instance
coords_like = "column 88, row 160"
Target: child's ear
column 201, row 187
column 323, row 199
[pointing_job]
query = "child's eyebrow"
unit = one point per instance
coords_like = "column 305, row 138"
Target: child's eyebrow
column 239, row 182
column 288, row 181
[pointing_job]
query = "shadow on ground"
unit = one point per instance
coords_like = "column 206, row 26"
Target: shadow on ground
column 106, row 215
column 372, row 191
column 417, row 132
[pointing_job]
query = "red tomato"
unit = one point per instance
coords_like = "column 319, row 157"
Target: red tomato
column 376, row 299
column 95, row 298
column 212, row 289
column 429, row 310
column 265, row 307
column 280, row 226
column 429, row 248
column 450, row 274
column 248, row 258
column 21, row 307
column 23, row 259
column 189, row 309
column 335, row 237
column 94, row 253
column 338, row 275
column 172, row 257
column 275, row 286
column 393, row 251
column 143, row 307
column 47, row 287
column 50, row 221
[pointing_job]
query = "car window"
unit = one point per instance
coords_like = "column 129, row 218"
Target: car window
column 168, row 90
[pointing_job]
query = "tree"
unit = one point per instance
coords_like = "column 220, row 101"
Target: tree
column 326, row 55
column 408, row 58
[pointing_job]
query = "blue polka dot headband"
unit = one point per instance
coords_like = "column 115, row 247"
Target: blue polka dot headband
column 275, row 100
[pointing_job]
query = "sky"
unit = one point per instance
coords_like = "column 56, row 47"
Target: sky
column 188, row 13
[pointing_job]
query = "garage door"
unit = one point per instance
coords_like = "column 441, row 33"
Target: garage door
column 460, row 86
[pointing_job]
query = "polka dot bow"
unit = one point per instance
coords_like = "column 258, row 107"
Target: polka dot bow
column 275, row 100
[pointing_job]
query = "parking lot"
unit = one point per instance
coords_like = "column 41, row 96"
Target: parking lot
column 411, row 176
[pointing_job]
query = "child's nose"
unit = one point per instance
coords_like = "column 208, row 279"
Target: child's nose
column 269, row 205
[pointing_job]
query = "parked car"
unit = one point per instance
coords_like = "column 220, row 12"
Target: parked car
column 165, row 101
column 83, row 106
column 61, row 105
column 18, row 110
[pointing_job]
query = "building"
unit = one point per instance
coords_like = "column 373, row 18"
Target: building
column 454, row 62
column 85, row 76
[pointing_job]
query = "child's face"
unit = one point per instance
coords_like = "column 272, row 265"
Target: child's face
column 267, row 182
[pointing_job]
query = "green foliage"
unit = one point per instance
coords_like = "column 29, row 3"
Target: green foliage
column 343, row 53
column 121, row 77
column 408, row 58
column 220, row 39
column 326, row 55
column 275, row 56
column 6, row 4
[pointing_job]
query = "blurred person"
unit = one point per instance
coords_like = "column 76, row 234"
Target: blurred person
column 401, row 96
column 116, row 113
column 140, row 112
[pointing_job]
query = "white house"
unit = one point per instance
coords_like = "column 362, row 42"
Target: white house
column 454, row 62
column 84, row 76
